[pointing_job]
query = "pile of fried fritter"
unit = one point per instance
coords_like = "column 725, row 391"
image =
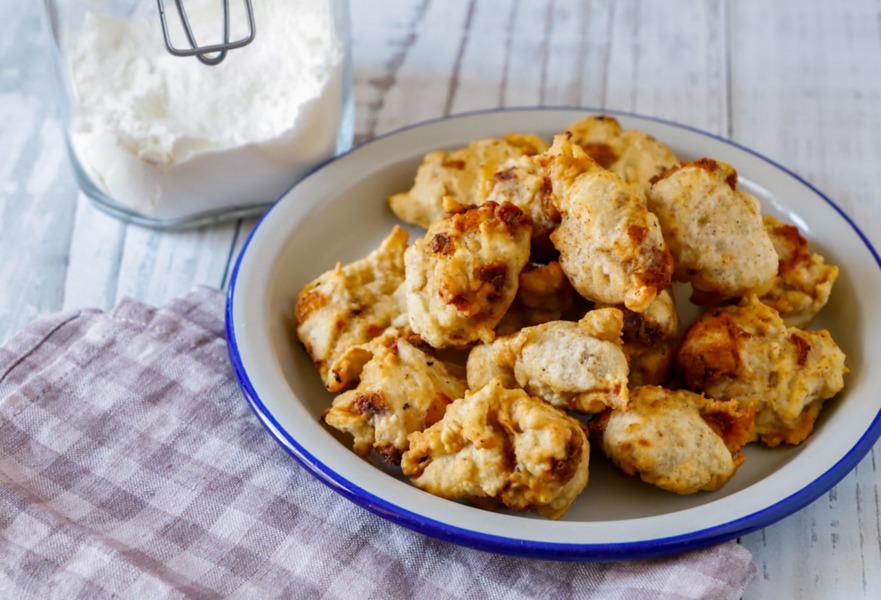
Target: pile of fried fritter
column 536, row 316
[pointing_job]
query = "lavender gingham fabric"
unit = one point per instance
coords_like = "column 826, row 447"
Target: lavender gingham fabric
column 130, row 466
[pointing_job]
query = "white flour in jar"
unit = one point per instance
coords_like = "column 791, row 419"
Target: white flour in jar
column 170, row 137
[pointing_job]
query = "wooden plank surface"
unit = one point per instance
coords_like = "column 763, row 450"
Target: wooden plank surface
column 813, row 105
column 38, row 192
column 799, row 81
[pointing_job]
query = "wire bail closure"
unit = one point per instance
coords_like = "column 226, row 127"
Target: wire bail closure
column 203, row 52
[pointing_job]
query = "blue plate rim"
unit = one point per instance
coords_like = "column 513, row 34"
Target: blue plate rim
column 651, row 548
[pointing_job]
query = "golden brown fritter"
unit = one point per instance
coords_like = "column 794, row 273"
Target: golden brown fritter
column 747, row 351
column 339, row 313
column 659, row 322
column 543, row 294
column 804, row 280
column 650, row 340
column 611, row 246
column 677, row 440
column 503, row 445
column 601, row 138
column 524, row 183
column 404, row 388
column 713, row 230
column 577, row 366
column 634, row 156
column 462, row 277
column 466, row 174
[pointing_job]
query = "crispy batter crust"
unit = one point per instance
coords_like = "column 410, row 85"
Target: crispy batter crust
column 502, row 445
column 804, row 280
column 713, row 230
column 633, row 155
column 747, row 351
column 577, row 366
column 677, row 440
column 611, row 246
column 467, row 174
column 340, row 314
column 463, row 276
column 650, row 340
column 524, row 183
column 404, row 388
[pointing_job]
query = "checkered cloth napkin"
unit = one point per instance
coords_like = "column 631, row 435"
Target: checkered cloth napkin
column 130, row 466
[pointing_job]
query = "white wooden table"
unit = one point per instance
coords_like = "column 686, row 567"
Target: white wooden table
column 796, row 80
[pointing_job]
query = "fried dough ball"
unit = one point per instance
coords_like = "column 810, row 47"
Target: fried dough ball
column 747, row 351
column 524, row 183
column 677, row 440
column 339, row 313
column 611, row 246
column 503, row 445
column 650, row 340
column 462, row 277
column 659, row 322
column 804, row 280
column 466, row 174
column 577, row 366
column 713, row 230
column 635, row 156
column 543, row 295
column 404, row 388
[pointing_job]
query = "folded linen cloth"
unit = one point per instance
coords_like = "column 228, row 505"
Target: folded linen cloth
column 130, row 466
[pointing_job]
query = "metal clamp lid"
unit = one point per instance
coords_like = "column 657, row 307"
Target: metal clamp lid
column 203, row 52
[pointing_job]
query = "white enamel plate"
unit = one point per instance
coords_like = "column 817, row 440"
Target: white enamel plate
column 338, row 213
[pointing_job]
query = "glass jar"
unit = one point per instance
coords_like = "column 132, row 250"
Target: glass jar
column 169, row 142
